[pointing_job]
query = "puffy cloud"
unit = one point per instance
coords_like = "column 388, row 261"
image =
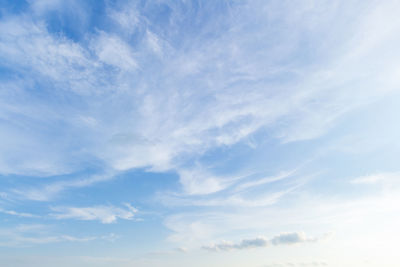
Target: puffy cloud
column 244, row 244
column 290, row 238
column 281, row 239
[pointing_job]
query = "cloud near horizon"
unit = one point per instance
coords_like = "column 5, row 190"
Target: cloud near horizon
column 278, row 240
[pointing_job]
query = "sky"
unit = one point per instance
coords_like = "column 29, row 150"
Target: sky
column 260, row 133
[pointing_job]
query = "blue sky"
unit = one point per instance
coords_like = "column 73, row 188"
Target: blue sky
column 199, row 133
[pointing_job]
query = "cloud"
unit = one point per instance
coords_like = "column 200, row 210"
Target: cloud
column 167, row 113
column 201, row 188
column 52, row 190
column 197, row 181
column 127, row 17
column 291, row 238
column 386, row 177
column 107, row 100
column 113, row 51
column 266, row 180
column 182, row 249
column 226, row 200
column 298, row 264
column 166, row 91
column 281, row 239
column 18, row 214
column 104, row 214
column 244, row 244
column 105, row 260
column 25, row 235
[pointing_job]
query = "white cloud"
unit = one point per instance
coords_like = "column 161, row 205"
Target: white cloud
column 103, row 260
column 114, row 51
column 244, row 244
column 201, row 188
column 266, row 180
column 104, row 214
column 63, row 61
column 281, row 239
column 26, row 235
column 128, row 17
column 386, row 183
column 18, row 214
column 52, row 190
column 182, row 249
column 193, row 100
column 154, row 42
column 298, row 264
column 40, row 6
column 197, row 181
column 274, row 74
column 291, row 238
column 377, row 178
column 165, row 115
column 226, row 200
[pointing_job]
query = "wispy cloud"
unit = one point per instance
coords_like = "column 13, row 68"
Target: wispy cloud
column 51, row 190
column 26, row 235
column 171, row 127
column 104, row 214
column 226, row 200
column 207, row 91
column 113, row 51
column 386, row 177
column 18, row 214
column 266, row 180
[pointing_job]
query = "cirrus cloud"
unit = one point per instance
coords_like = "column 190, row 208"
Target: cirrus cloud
column 104, row 214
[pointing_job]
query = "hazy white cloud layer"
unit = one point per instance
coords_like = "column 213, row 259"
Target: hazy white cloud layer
column 295, row 264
